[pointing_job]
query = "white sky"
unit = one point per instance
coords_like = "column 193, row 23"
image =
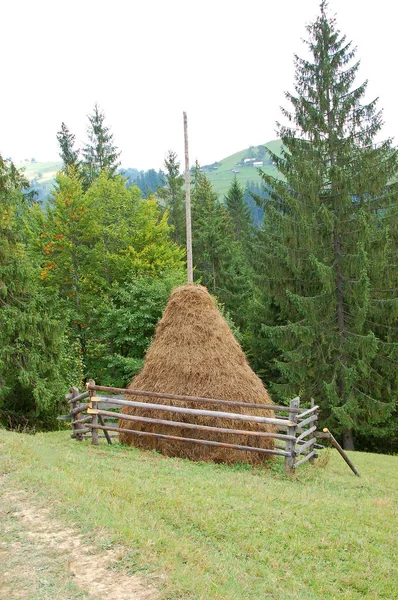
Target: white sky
column 226, row 63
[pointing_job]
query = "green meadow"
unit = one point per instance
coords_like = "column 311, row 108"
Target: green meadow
column 215, row 532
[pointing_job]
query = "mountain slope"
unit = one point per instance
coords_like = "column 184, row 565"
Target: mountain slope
column 222, row 173
column 42, row 174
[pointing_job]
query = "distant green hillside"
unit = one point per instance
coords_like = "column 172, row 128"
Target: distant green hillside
column 221, row 173
column 41, row 176
column 42, row 172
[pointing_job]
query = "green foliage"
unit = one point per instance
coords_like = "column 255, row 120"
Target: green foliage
column 219, row 255
column 211, row 235
column 96, row 248
column 99, row 153
column 173, row 195
column 66, row 140
column 126, row 323
column 34, row 356
column 60, row 240
column 327, row 245
column 129, row 234
column 147, row 181
column 239, row 213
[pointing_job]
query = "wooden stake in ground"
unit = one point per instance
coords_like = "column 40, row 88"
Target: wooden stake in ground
column 341, row 452
column 188, row 204
column 290, row 445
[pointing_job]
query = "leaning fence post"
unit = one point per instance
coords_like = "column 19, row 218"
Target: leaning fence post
column 93, row 404
column 341, row 452
column 291, row 444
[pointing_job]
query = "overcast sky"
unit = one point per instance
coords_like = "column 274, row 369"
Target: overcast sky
column 226, row 63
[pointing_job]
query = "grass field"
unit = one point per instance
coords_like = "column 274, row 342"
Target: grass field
column 222, row 533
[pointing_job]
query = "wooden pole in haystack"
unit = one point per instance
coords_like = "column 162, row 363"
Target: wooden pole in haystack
column 188, row 204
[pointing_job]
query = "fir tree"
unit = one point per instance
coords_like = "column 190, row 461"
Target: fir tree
column 99, row 153
column 218, row 256
column 32, row 348
column 239, row 212
column 211, row 234
column 173, row 195
column 66, row 140
column 325, row 242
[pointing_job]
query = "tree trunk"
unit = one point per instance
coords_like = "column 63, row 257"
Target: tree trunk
column 348, row 439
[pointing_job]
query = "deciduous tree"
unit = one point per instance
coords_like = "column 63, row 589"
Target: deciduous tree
column 92, row 244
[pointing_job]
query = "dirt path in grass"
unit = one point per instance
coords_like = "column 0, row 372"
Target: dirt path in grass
column 42, row 559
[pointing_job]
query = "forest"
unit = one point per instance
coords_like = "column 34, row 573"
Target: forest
column 309, row 287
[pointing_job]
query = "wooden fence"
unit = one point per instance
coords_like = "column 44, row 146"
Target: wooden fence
column 93, row 415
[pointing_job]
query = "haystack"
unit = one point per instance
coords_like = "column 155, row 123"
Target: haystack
column 194, row 353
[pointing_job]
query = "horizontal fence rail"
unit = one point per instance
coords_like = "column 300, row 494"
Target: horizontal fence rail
column 197, row 412
column 181, row 424
column 89, row 416
column 163, row 436
column 144, row 393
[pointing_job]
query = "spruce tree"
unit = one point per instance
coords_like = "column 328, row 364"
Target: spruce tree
column 66, row 140
column 99, row 153
column 219, row 258
column 32, row 341
column 239, row 212
column 173, row 195
column 326, row 243
column 211, row 234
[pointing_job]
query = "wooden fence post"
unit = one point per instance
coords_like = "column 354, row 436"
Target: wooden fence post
column 93, row 404
column 74, row 404
column 106, row 434
column 312, row 435
column 291, row 444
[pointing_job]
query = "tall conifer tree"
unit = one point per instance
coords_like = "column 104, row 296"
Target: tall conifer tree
column 239, row 212
column 173, row 195
column 32, row 351
column 218, row 255
column 66, row 140
column 211, row 234
column 99, row 153
column 325, row 243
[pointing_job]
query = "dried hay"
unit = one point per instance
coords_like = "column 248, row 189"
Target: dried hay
column 194, row 353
